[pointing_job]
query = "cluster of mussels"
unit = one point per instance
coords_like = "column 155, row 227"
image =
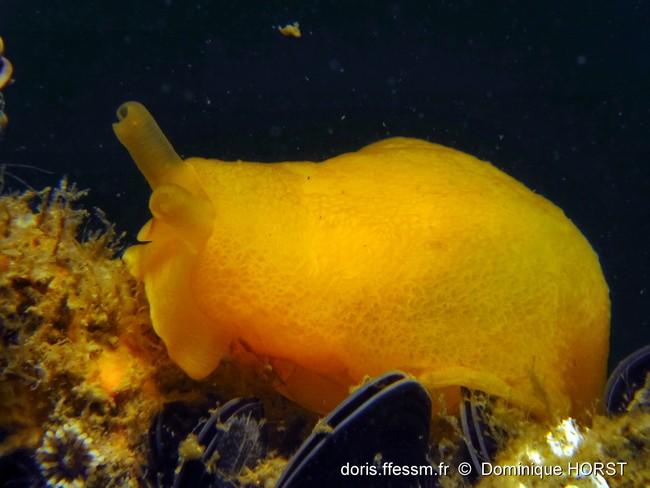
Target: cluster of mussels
column 386, row 422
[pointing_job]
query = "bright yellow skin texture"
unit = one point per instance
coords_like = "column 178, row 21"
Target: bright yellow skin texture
column 404, row 255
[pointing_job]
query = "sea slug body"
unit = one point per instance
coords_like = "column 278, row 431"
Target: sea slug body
column 403, row 255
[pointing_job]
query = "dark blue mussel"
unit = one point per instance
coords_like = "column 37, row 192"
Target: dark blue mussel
column 628, row 386
column 480, row 435
column 169, row 427
column 384, row 421
column 229, row 439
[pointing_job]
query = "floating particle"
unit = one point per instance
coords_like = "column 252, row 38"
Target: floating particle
column 291, row 30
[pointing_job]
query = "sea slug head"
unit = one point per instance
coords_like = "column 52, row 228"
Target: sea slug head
column 172, row 241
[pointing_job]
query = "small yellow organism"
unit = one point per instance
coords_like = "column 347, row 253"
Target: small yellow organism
column 291, row 30
column 403, row 255
column 6, row 71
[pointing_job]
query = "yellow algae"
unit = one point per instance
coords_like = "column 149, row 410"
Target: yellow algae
column 78, row 357
column 190, row 448
column 403, row 255
column 63, row 300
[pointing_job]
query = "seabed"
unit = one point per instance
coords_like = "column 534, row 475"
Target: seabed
column 83, row 375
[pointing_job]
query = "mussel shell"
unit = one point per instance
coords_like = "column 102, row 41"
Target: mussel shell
column 193, row 474
column 169, row 427
column 233, row 432
column 626, row 379
column 479, row 432
column 241, row 417
column 386, row 420
column 6, row 70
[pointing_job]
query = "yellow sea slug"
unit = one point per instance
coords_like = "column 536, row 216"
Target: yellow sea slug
column 403, row 255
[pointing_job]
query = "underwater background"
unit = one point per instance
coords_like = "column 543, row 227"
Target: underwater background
column 553, row 93
column 556, row 94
